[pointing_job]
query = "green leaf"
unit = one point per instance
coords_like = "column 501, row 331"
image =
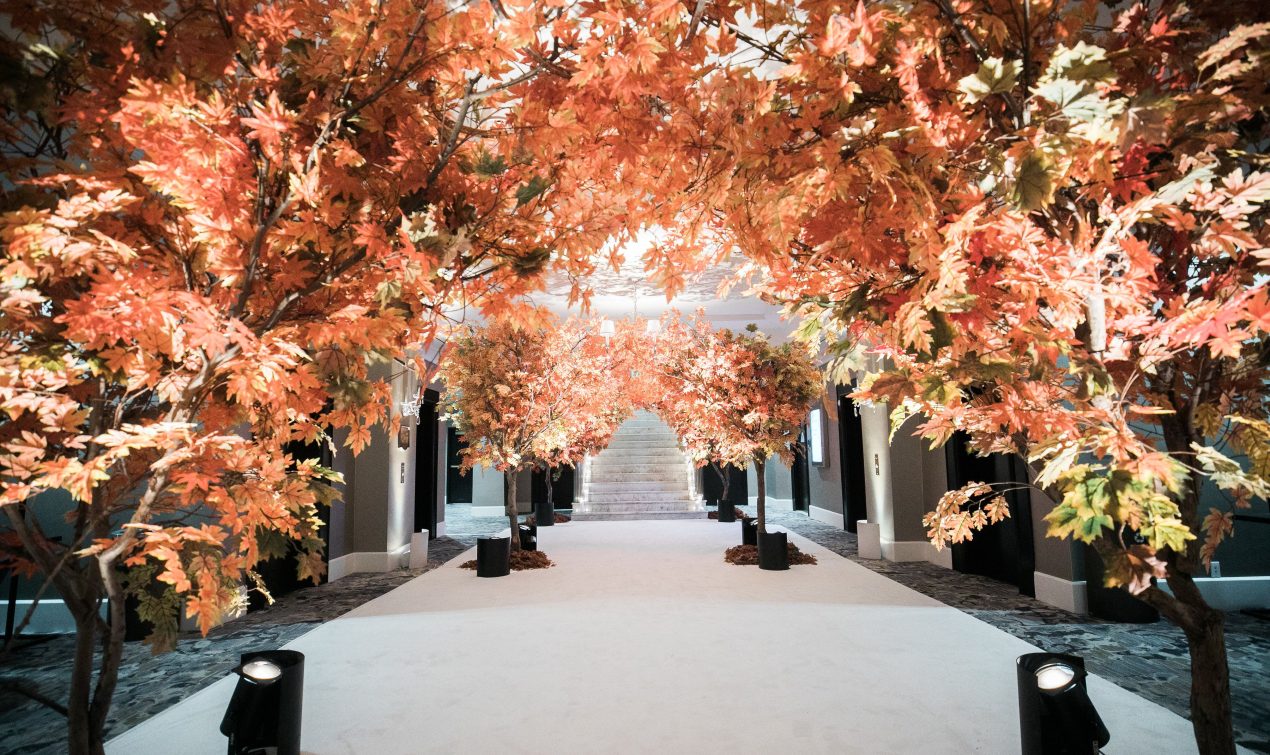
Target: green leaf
column 1091, row 528
column 942, row 332
column 809, row 330
column 1080, row 63
column 388, row 292
column 1033, row 185
column 1079, row 102
column 530, row 190
column 1176, row 191
column 1062, row 521
column 994, row 77
column 488, row 165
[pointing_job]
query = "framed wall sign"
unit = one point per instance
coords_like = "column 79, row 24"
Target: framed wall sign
column 816, row 437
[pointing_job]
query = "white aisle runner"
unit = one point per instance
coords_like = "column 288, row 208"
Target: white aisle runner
column 642, row 640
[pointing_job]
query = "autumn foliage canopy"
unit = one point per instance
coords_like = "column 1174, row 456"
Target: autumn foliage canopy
column 1039, row 223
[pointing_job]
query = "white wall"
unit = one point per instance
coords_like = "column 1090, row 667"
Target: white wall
column 378, row 510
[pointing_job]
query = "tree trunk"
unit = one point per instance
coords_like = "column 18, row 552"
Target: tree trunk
column 1203, row 626
column 79, row 702
column 1210, row 686
column 509, row 506
column 725, row 480
column 760, row 473
column 1205, row 632
column 111, row 655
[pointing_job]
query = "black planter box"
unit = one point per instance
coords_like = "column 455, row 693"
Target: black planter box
column 529, row 537
column 544, row 512
column 727, row 512
column 749, row 531
column 773, row 551
column 493, row 556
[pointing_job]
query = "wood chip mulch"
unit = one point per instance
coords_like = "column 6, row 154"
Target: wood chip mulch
column 747, row 555
column 521, row 560
column 715, row 514
column 560, row 519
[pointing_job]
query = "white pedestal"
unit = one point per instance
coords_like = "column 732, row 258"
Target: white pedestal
column 419, row 549
column 869, row 538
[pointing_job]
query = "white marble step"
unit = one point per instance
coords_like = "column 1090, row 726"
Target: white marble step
column 681, row 483
column 643, row 440
column 676, row 474
column 638, row 468
column 628, row 507
column 675, row 470
column 609, row 516
column 641, row 483
column 651, row 496
column 650, row 453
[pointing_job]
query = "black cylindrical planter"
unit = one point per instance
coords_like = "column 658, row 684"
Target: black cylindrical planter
column 544, row 512
column 493, row 556
column 727, row 512
column 264, row 711
column 749, row 531
column 773, row 551
column 1061, row 720
column 529, row 537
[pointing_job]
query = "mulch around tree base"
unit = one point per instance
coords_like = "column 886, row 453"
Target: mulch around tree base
column 522, row 560
column 747, row 555
column 715, row 514
column 560, row 519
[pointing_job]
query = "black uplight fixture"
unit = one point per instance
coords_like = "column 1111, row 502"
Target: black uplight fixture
column 1056, row 716
column 263, row 717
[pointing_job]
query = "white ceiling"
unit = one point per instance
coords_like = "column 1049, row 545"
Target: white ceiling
column 630, row 291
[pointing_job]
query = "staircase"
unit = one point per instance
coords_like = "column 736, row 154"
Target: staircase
column 641, row 475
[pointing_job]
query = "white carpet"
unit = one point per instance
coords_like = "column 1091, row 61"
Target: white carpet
column 642, row 639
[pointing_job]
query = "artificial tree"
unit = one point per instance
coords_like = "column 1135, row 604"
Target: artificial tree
column 1047, row 221
column 215, row 217
column 521, row 395
column 733, row 398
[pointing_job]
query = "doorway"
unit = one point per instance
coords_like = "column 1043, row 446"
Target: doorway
column 458, row 487
column 800, row 475
column 851, row 452
column 1002, row 551
column 426, row 465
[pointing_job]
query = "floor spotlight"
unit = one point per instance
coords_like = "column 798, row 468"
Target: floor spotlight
column 264, row 713
column 1056, row 716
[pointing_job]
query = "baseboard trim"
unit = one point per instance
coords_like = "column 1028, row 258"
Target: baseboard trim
column 51, row 617
column 828, row 517
column 361, row 562
column 1233, row 593
column 1061, row 593
column 906, row 550
column 773, row 504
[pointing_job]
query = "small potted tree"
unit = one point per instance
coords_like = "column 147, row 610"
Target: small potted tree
column 590, row 381
column 522, row 395
column 735, row 398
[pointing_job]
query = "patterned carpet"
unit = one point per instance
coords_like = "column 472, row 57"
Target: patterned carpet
column 1150, row 660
